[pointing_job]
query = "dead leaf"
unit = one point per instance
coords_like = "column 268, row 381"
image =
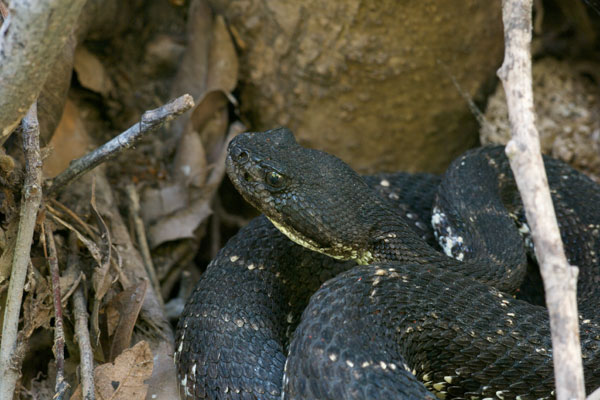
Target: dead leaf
column 205, row 130
column 222, row 61
column 210, row 62
column 164, row 201
column 190, row 166
column 209, row 70
column 8, row 252
column 163, row 374
column 127, row 304
column 91, row 73
column 181, row 224
column 70, row 141
column 125, row 378
column 38, row 307
column 209, row 119
column 51, row 101
column 193, row 69
column 218, row 172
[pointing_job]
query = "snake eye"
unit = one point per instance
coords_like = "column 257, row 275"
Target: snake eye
column 274, row 179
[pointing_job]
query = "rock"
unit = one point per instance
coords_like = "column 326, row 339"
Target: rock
column 567, row 105
column 368, row 81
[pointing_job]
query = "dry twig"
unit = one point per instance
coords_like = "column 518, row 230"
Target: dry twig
column 32, row 38
column 523, row 151
column 86, row 358
column 140, row 232
column 88, row 229
column 61, row 385
column 150, row 121
column 30, row 204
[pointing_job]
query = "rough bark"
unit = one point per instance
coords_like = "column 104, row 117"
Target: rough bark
column 31, row 39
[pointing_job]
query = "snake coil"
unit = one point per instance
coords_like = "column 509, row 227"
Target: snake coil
column 273, row 319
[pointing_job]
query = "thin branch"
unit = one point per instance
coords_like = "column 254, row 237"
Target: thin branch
column 140, row 232
column 30, row 204
column 61, row 385
column 86, row 358
column 150, row 121
column 523, row 151
column 91, row 231
column 33, row 36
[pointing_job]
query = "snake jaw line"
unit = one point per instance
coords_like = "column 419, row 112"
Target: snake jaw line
column 337, row 251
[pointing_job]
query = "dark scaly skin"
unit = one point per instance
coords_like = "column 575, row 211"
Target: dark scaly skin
column 234, row 328
column 412, row 197
column 332, row 208
column 574, row 196
column 262, row 280
column 254, row 156
column 461, row 338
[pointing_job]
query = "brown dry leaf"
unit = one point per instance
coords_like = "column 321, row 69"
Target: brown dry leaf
column 181, row 224
column 218, row 172
column 37, row 305
column 175, row 211
column 70, row 141
column 209, row 119
column 210, row 62
column 169, row 212
column 91, row 73
column 51, row 101
column 163, row 375
column 128, row 304
column 208, row 70
column 193, row 69
column 159, row 202
column 190, row 166
column 124, row 379
column 10, row 236
column 161, row 52
column 223, row 61
column 206, row 128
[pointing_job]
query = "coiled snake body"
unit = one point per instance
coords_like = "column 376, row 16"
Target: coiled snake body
column 413, row 323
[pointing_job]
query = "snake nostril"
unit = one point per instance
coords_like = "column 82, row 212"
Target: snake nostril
column 239, row 155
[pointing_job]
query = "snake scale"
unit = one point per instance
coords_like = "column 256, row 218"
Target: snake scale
column 273, row 318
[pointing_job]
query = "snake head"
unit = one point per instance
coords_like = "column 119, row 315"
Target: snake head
column 313, row 197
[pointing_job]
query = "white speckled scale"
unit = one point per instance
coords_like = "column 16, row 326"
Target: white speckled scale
column 452, row 244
